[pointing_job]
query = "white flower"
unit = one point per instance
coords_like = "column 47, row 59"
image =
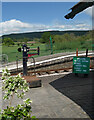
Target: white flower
column 19, row 84
column 19, row 75
column 4, row 72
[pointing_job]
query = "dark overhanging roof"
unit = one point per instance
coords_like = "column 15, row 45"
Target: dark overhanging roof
column 79, row 7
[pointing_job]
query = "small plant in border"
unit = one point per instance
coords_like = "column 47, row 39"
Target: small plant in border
column 11, row 87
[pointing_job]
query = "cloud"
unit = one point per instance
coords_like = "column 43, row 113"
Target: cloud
column 90, row 11
column 13, row 26
column 78, row 27
column 17, row 26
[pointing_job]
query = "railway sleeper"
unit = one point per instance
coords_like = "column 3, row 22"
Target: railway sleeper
column 66, row 70
column 56, row 71
column 48, row 72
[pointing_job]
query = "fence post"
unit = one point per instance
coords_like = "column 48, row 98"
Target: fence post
column 86, row 52
column 17, row 62
column 51, row 45
column 77, row 52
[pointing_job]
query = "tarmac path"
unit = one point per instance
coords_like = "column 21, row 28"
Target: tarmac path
column 79, row 89
column 49, row 102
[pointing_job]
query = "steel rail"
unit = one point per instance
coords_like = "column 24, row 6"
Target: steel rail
column 48, row 61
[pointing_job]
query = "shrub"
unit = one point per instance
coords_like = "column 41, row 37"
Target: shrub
column 11, row 86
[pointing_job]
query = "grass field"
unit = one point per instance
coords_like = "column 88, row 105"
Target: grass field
column 12, row 51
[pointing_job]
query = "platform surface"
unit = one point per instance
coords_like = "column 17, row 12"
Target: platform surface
column 61, row 96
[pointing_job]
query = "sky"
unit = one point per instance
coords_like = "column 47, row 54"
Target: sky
column 19, row 17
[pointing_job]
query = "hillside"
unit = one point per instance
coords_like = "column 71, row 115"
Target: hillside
column 32, row 35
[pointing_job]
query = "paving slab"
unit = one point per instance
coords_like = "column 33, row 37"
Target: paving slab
column 50, row 103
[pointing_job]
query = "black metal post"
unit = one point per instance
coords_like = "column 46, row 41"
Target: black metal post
column 24, row 60
column 86, row 52
column 17, row 62
column 38, row 50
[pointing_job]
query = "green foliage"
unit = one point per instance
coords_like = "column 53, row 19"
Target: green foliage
column 32, row 35
column 8, row 42
column 25, row 40
column 36, row 39
column 71, row 42
column 19, row 112
column 45, row 37
column 67, row 37
column 11, row 86
column 3, row 59
column 63, row 42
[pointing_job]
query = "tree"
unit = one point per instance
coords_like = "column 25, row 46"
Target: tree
column 67, row 37
column 8, row 41
column 36, row 39
column 45, row 37
column 25, row 40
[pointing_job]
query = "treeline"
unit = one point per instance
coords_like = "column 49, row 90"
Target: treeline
column 30, row 36
column 71, row 42
column 68, row 41
column 9, row 41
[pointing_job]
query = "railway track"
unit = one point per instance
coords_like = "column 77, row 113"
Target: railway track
column 58, row 65
column 52, row 69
